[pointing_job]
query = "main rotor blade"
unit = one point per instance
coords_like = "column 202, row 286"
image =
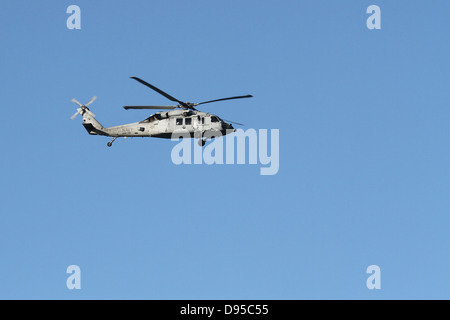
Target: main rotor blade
column 160, row 92
column 92, row 100
column 237, row 123
column 150, row 107
column 74, row 100
column 231, row 98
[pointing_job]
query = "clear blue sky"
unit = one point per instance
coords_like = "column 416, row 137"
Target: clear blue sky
column 364, row 120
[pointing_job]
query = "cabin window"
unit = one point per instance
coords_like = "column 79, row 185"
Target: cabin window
column 214, row 119
column 203, row 120
column 179, row 121
column 187, row 121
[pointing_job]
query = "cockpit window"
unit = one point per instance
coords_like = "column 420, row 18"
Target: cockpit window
column 187, row 121
column 150, row 119
column 179, row 121
column 214, row 119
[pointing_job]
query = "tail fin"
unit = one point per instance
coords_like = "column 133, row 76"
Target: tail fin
column 91, row 125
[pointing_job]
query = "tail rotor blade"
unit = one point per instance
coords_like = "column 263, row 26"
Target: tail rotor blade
column 74, row 116
column 74, row 100
column 92, row 100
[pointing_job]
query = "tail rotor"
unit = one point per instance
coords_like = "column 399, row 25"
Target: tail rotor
column 83, row 108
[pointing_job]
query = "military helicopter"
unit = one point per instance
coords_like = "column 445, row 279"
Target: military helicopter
column 162, row 124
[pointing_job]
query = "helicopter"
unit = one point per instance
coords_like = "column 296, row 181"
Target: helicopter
column 162, row 124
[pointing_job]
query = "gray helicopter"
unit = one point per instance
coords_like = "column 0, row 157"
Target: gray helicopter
column 162, row 124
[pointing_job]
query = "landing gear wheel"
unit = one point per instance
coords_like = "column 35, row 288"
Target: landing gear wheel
column 201, row 142
column 109, row 144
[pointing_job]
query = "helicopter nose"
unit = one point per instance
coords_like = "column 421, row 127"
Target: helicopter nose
column 227, row 126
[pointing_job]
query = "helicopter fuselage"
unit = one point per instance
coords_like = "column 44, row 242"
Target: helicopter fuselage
column 165, row 124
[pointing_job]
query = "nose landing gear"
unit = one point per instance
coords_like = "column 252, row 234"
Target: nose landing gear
column 201, row 142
